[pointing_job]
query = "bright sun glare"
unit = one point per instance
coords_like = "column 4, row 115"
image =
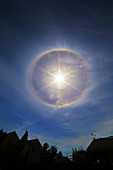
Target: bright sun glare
column 59, row 79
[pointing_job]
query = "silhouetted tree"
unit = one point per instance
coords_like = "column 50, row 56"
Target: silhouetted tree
column 53, row 152
column 59, row 155
column 45, row 147
column 1, row 131
column 49, row 153
column 79, row 156
column 80, row 149
column 25, row 136
column 45, row 153
column 74, row 155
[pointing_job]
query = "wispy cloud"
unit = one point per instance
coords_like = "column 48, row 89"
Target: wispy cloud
column 24, row 125
column 105, row 128
column 13, row 84
column 95, row 94
column 64, row 144
column 12, row 79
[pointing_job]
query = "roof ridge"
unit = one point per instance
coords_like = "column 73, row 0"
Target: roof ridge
column 36, row 139
column 33, row 139
column 103, row 138
column 11, row 132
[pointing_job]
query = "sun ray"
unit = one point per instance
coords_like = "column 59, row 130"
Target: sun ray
column 59, row 93
column 47, row 72
column 59, row 63
column 69, row 73
column 56, row 79
column 71, row 85
column 59, row 78
column 49, row 84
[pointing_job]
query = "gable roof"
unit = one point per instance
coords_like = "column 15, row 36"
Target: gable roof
column 12, row 134
column 34, row 141
column 101, row 144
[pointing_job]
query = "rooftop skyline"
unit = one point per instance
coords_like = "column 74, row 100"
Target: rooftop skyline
column 31, row 28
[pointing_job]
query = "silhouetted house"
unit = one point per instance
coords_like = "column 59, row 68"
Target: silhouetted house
column 9, row 139
column 100, row 151
column 31, row 148
column 34, row 150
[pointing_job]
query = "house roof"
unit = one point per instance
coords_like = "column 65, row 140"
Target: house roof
column 101, row 144
column 34, row 141
column 29, row 142
column 12, row 133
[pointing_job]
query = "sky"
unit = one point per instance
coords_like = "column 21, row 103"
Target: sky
column 29, row 28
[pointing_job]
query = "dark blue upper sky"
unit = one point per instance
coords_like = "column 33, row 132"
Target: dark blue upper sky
column 28, row 28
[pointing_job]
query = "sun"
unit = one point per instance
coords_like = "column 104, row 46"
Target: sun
column 59, row 80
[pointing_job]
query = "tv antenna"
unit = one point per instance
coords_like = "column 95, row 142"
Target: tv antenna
column 93, row 136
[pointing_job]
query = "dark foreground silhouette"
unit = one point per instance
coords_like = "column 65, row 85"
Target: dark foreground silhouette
column 22, row 153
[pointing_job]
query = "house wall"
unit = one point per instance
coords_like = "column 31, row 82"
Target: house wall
column 9, row 139
column 100, row 157
column 34, row 153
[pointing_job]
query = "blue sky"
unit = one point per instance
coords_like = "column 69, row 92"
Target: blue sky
column 30, row 28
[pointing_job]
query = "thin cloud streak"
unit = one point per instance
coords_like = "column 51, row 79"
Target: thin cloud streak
column 66, row 143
